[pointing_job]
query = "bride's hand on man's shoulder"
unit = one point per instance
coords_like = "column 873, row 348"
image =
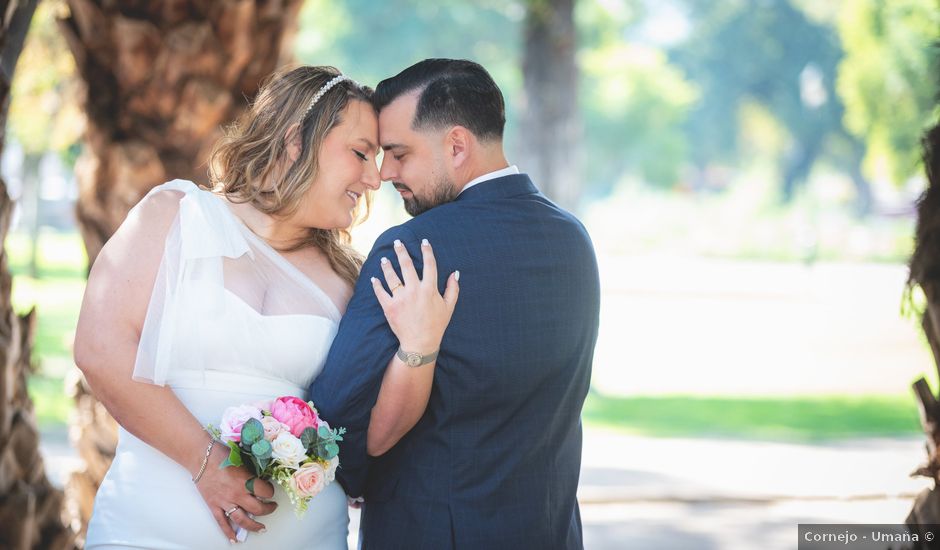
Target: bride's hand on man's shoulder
column 415, row 309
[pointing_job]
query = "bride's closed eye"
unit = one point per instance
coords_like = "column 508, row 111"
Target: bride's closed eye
column 361, row 155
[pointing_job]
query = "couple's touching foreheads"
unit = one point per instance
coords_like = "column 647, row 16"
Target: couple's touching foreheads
column 436, row 383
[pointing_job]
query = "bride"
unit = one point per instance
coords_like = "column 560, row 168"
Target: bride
column 206, row 299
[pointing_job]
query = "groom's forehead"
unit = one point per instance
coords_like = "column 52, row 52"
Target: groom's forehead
column 398, row 115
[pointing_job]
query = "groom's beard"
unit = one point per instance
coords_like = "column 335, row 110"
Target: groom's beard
column 442, row 192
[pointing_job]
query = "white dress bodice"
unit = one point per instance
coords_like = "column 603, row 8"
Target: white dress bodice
column 230, row 322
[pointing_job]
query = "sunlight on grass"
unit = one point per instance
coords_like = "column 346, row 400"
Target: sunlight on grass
column 56, row 294
column 788, row 419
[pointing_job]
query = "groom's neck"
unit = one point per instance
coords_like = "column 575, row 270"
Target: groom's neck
column 491, row 160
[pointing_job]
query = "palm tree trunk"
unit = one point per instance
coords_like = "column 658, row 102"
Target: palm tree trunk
column 31, row 509
column 160, row 78
column 925, row 273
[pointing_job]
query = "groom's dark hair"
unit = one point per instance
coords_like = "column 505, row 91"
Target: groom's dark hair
column 453, row 92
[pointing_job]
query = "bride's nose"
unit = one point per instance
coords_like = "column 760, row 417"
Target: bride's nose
column 370, row 177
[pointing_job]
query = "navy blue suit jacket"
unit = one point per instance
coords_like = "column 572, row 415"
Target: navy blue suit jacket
column 494, row 462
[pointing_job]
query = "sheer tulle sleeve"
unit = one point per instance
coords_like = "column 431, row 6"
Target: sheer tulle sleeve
column 225, row 300
column 189, row 282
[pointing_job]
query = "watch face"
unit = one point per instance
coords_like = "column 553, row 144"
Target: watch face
column 414, row 359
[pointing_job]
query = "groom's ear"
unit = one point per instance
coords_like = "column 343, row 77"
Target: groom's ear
column 292, row 143
column 459, row 143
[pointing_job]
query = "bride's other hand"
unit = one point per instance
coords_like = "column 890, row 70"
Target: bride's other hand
column 224, row 490
column 418, row 315
column 416, row 311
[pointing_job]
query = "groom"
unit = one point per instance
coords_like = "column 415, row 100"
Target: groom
column 495, row 459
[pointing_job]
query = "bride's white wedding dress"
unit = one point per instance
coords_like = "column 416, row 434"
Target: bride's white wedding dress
column 230, row 322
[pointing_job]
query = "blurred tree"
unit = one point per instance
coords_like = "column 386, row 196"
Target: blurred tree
column 634, row 103
column 44, row 113
column 30, row 507
column 888, row 79
column 340, row 34
column 160, row 79
column 550, row 128
column 771, row 52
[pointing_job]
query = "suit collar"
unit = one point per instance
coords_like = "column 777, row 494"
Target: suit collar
column 499, row 188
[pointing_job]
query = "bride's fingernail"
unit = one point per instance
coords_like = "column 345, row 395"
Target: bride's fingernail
column 384, row 260
column 456, row 275
column 232, row 541
column 397, row 243
column 263, row 531
column 425, row 242
column 373, row 279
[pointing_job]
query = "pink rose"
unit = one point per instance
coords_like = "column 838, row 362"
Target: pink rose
column 308, row 480
column 294, row 412
column 273, row 427
column 234, row 418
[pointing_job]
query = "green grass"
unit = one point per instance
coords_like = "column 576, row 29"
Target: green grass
column 57, row 295
column 52, row 405
column 788, row 419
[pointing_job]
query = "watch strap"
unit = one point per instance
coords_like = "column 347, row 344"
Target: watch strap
column 425, row 359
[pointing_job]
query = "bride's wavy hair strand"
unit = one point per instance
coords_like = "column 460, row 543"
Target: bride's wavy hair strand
column 247, row 165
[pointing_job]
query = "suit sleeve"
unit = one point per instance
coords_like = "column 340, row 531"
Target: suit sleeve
column 347, row 388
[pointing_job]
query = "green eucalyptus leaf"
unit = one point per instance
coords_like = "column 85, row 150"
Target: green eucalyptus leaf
column 261, row 449
column 250, row 485
column 332, row 449
column 324, row 432
column 252, row 431
column 308, row 438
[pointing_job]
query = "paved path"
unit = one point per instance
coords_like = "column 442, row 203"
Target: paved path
column 668, row 494
column 639, row 492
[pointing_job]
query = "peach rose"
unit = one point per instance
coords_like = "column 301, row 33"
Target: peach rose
column 308, row 480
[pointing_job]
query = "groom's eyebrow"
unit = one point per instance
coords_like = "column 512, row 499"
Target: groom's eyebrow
column 390, row 146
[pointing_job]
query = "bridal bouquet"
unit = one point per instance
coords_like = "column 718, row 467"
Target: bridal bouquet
column 283, row 440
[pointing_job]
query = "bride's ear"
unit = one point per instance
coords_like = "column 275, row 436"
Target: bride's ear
column 292, row 142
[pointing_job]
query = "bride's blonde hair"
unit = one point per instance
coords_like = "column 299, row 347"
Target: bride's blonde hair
column 247, row 163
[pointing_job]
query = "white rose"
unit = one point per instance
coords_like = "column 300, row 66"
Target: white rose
column 331, row 471
column 273, row 427
column 288, row 450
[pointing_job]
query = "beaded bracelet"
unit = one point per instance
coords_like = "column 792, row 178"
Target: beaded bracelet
column 205, row 461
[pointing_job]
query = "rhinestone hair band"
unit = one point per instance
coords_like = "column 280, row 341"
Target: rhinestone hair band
column 326, row 88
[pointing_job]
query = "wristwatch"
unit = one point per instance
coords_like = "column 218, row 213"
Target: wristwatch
column 415, row 359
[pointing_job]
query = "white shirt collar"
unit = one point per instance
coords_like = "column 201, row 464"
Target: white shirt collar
column 491, row 176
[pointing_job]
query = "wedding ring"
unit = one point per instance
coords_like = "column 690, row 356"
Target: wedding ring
column 232, row 511
column 394, row 288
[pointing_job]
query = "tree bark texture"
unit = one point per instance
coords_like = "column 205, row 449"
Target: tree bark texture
column 32, row 511
column 161, row 78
